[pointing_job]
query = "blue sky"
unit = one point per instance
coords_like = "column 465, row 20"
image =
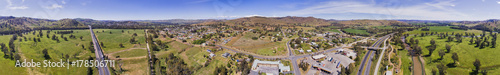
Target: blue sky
column 229, row 9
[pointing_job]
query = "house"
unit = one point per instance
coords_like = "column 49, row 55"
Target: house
column 211, row 55
column 208, row 50
column 309, row 51
column 226, row 55
column 319, row 56
column 314, row 44
column 203, row 44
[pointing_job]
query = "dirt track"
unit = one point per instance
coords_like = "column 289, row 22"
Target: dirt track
column 417, row 66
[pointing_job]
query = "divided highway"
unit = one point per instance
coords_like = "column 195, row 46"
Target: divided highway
column 370, row 55
column 99, row 54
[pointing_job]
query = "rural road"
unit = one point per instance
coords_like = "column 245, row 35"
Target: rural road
column 103, row 70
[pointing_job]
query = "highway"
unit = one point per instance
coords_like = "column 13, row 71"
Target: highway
column 370, row 55
column 379, row 60
column 99, row 54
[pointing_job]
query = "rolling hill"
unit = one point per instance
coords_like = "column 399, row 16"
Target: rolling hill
column 300, row 21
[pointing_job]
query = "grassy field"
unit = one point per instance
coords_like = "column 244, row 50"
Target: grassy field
column 356, row 31
column 72, row 47
column 112, row 41
column 405, row 62
column 261, row 46
column 134, row 66
column 132, row 53
column 194, row 57
column 467, row 54
column 334, row 30
column 8, row 67
column 438, row 29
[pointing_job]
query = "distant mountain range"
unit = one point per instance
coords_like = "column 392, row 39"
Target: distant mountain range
column 9, row 23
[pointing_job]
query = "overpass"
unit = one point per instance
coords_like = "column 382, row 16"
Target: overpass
column 369, row 56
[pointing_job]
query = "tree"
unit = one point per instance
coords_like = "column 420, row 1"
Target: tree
column 442, row 69
column 471, row 40
column 65, row 39
column 481, row 46
column 477, row 64
column 351, row 69
column 431, row 49
column 45, row 54
column 89, row 69
column 418, row 49
column 434, row 72
column 304, row 66
column 135, row 34
column 66, row 56
column 17, row 57
column 54, row 37
column 484, row 72
column 102, row 44
column 416, row 41
column 450, row 39
column 448, row 48
column 441, row 53
column 4, row 49
column 132, row 40
column 121, row 45
column 454, row 56
column 493, row 44
column 254, row 38
column 34, row 40
column 433, row 42
column 83, row 47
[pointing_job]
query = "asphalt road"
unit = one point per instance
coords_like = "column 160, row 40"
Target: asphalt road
column 379, row 60
column 99, row 54
column 370, row 55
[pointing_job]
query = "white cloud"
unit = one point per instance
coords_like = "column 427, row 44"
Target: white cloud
column 63, row 2
column 439, row 10
column 10, row 5
column 498, row 2
column 253, row 15
column 18, row 7
column 54, row 6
